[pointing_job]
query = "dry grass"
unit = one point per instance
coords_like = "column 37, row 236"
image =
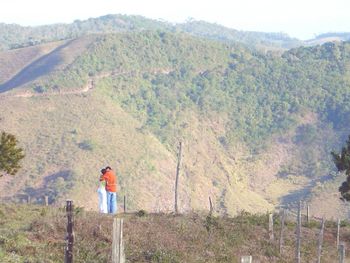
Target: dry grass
column 12, row 61
column 36, row 234
column 51, row 134
column 196, row 238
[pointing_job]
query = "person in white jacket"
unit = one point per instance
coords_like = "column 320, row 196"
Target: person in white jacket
column 102, row 196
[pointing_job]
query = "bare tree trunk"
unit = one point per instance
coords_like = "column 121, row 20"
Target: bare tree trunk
column 210, row 206
column 177, row 175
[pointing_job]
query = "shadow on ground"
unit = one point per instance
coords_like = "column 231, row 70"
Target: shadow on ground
column 42, row 66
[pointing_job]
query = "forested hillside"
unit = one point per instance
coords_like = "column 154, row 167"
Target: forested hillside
column 260, row 94
column 257, row 128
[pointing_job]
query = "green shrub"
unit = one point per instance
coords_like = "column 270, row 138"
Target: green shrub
column 87, row 145
column 141, row 213
column 163, row 256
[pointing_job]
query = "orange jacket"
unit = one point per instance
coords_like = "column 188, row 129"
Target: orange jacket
column 111, row 181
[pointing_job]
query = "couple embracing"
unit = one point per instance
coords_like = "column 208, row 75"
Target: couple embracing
column 107, row 192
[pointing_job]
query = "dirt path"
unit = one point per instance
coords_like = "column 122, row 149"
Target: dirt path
column 90, row 85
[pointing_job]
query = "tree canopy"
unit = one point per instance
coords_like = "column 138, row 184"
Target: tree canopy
column 10, row 154
column 342, row 162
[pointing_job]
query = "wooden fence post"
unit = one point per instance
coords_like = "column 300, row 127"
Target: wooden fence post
column 320, row 242
column 307, row 213
column 341, row 253
column 271, row 227
column 118, row 255
column 68, row 255
column 28, row 199
column 114, row 241
column 281, row 233
column 338, row 232
column 210, row 206
column 246, row 259
column 124, row 204
column 46, row 200
column 177, row 175
column 298, row 234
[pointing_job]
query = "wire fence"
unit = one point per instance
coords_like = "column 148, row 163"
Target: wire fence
column 282, row 215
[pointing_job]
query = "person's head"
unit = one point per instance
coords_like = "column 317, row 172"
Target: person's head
column 108, row 168
column 103, row 171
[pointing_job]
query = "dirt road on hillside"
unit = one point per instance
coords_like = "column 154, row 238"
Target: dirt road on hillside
column 90, row 85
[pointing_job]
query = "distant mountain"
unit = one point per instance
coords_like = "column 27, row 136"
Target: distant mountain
column 342, row 35
column 15, row 36
column 249, row 38
column 328, row 37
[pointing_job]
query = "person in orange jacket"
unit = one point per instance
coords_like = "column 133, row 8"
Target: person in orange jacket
column 111, row 187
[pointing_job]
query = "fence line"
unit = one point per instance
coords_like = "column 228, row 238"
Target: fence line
column 338, row 232
column 298, row 236
column 341, row 253
column 283, row 216
column 68, row 255
column 271, row 236
column 320, row 242
column 118, row 245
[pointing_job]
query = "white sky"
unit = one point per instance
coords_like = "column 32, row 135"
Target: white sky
column 299, row 18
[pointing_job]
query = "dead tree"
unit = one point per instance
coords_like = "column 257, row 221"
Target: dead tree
column 177, row 175
column 210, row 206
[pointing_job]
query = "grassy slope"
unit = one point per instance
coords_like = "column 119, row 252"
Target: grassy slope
column 206, row 175
column 11, row 62
column 113, row 137
column 35, row 233
column 145, row 167
column 58, row 59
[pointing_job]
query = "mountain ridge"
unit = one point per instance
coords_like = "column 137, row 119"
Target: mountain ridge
column 19, row 36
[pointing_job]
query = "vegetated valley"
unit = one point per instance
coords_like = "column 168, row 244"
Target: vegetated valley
column 257, row 119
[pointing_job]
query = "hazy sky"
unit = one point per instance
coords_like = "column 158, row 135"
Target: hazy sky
column 298, row 18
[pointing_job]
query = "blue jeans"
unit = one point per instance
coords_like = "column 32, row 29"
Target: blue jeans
column 112, row 202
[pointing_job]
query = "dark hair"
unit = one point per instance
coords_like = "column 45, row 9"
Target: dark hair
column 108, row 168
column 103, row 171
